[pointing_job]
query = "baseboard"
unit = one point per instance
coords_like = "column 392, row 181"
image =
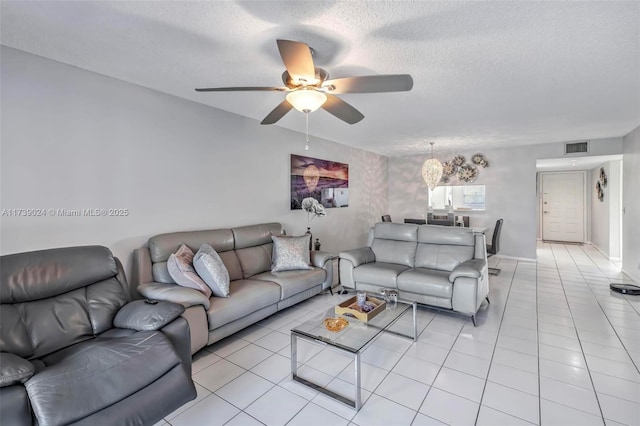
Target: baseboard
column 612, row 259
column 568, row 243
column 600, row 251
column 523, row 259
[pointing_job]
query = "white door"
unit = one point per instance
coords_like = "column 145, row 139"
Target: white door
column 563, row 207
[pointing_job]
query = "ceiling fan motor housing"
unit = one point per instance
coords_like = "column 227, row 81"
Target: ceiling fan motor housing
column 320, row 75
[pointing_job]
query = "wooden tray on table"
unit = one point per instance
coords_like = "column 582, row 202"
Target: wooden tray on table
column 350, row 308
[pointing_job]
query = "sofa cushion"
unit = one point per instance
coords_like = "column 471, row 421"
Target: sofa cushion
column 392, row 251
column 378, row 273
column 161, row 246
column 293, row 282
column 61, row 269
column 211, row 269
column 442, row 257
column 426, row 281
column 447, row 235
column 255, row 235
column 290, row 253
column 180, row 266
column 247, row 296
column 161, row 274
column 396, row 231
column 254, row 260
column 232, row 264
column 59, row 297
column 97, row 374
column 36, row 328
column 14, row 336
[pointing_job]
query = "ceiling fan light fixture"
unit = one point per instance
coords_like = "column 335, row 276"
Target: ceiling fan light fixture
column 432, row 171
column 306, row 100
column 308, row 87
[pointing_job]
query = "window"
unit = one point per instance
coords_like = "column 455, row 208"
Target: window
column 467, row 197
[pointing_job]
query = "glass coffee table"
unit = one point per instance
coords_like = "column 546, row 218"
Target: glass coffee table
column 353, row 339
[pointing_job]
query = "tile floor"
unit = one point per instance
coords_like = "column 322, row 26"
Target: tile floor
column 554, row 347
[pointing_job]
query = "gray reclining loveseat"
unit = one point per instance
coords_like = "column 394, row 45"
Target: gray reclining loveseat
column 75, row 350
column 442, row 266
column 255, row 291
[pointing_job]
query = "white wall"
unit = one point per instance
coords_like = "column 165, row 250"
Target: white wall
column 631, row 205
column 614, row 192
column 600, row 210
column 511, row 190
column 74, row 139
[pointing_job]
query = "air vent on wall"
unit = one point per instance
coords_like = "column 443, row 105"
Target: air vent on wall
column 576, row 148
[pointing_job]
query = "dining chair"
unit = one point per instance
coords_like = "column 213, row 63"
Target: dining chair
column 416, row 221
column 494, row 248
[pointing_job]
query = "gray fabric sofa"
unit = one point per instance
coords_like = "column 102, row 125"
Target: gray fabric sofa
column 75, row 350
column 255, row 291
column 441, row 266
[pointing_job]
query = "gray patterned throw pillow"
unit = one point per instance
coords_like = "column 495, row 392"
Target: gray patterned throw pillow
column 180, row 266
column 212, row 270
column 290, row 253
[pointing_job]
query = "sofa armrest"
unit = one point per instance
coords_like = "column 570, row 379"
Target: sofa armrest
column 324, row 260
column 14, row 369
column 469, row 269
column 358, row 256
column 320, row 258
column 144, row 315
column 174, row 293
column 179, row 334
column 141, row 266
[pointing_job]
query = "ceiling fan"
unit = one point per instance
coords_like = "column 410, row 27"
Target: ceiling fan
column 308, row 87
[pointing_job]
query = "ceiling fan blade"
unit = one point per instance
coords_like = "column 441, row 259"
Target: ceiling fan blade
column 298, row 60
column 342, row 110
column 277, row 113
column 370, row 84
column 241, row 89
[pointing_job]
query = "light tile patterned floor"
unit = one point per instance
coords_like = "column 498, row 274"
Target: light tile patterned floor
column 554, row 347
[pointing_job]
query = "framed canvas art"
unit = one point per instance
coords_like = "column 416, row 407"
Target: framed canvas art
column 326, row 181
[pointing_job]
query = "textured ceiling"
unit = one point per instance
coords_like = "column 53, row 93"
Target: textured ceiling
column 486, row 74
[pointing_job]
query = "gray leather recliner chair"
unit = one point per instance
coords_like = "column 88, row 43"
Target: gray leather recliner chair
column 75, row 350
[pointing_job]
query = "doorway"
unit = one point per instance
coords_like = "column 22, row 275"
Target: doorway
column 563, row 206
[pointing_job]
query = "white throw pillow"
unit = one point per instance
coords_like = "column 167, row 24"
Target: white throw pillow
column 181, row 270
column 290, row 253
column 211, row 269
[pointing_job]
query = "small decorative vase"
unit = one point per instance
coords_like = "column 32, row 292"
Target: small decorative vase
column 361, row 298
column 310, row 238
column 317, row 245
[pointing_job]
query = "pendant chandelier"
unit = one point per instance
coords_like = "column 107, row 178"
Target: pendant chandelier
column 432, row 171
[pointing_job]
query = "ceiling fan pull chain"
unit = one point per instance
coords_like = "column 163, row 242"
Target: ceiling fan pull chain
column 306, row 147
